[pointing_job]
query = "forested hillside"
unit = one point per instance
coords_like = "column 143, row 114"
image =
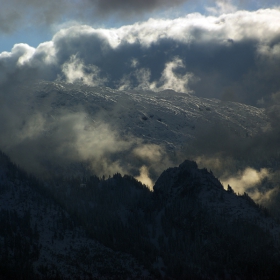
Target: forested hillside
column 85, row 227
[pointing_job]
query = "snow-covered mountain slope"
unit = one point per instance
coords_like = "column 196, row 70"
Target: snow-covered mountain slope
column 165, row 117
column 52, row 127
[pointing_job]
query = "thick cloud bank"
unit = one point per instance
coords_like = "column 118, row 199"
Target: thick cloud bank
column 233, row 56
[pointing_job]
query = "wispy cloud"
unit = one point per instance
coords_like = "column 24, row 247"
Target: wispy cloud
column 75, row 71
column 144, row 177
column 246, row 180
column 222, row 7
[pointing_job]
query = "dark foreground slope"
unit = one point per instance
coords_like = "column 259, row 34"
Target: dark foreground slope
column 40, row 240
column 189, row 227
column 213, row 231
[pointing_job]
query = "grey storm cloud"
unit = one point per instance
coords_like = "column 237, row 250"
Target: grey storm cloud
column 234, row 57
column 135, row 6
column 15, row 14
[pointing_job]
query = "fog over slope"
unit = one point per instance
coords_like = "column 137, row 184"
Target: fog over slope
column 57, row 126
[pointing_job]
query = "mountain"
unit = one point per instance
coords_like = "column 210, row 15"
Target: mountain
column 87, row 227
column 165, row 117
column 40, row 240
column 53, row 127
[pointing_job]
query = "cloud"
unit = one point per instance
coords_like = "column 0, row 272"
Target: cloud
column 261, row 185
column 25, row 14
column 50, row 140
column 127, row 7
column 16, row 14
column 144, row 177
column 246, row 180
column 75, row 71
column 151, row 152
column 46, row 131
column 222, row 7
column 232, row 56
column 171, row 80
column 154, row 157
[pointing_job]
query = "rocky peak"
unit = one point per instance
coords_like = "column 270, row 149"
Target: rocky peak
column 186, row 177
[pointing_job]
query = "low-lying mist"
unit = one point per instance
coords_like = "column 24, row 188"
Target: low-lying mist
column 48, row 141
